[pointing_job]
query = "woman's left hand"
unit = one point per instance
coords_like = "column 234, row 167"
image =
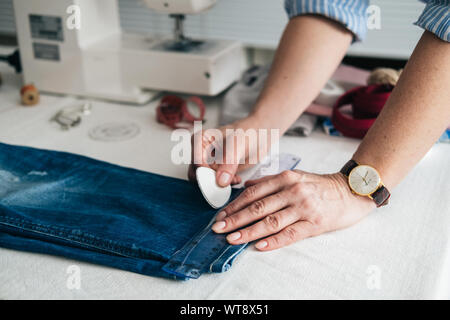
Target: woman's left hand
column 289, row 207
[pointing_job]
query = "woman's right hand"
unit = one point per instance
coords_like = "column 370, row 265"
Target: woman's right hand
column 205, row 146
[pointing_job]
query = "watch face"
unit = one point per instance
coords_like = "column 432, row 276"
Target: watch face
column 364, row 180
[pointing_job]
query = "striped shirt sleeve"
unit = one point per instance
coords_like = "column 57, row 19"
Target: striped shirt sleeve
column 350, row 13
column 436, row 18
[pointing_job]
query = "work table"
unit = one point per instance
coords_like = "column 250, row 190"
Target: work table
column 401, row 251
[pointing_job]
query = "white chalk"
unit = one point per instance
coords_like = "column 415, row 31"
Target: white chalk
column 214, row 194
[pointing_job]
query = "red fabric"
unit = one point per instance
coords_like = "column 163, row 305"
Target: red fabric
column 173, row 110
column 367, row 102
column 348, row 77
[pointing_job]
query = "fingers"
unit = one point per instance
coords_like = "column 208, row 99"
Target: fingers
column 199, row 156
column 236, row 180
column 256, row 211
column 288, row 177
column 191, row 173
column 205, row 149
column 290, row 234
column 192, row 176
column 227, row 171
column 249, row 197
column 249, row 183
column 268, row 185
column 226, row 174
column 198, row 143
column 271, row 224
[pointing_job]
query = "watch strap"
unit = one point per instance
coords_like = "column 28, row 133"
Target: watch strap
column 381, row 196
column 348, row 167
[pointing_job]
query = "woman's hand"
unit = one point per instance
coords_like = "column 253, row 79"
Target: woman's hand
column 289, row 207
column 207, row 146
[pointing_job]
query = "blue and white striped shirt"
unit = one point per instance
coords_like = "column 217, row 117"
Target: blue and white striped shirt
column 352, row 14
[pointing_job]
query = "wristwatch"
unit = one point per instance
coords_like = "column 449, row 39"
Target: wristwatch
column 365, row 181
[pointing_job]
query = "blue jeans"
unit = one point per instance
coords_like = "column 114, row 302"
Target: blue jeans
column 80, row 208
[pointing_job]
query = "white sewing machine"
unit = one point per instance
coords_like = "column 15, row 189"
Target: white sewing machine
column 77, row 47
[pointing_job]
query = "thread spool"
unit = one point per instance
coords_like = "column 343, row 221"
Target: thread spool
column 29, row 95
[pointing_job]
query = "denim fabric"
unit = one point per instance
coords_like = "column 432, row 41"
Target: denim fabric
column 73, row 206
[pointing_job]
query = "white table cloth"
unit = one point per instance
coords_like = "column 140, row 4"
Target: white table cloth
column 401, row 251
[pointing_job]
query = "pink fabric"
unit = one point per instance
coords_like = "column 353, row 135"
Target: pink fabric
column 351, row 75
column 347, row 76
column 319, row 110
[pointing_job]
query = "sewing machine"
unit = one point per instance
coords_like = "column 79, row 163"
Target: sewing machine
column 77, row 47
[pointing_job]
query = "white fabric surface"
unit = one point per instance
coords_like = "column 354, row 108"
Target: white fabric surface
column 407, row 243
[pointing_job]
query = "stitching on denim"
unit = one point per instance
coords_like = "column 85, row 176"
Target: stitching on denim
column 82, row 238
column 235, row 254
column 206, row 230
column 65, row 239
column 230, row 257
column 198, row 239
column 220, row 256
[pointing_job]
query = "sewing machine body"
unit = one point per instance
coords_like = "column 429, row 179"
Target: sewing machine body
column 89, row 55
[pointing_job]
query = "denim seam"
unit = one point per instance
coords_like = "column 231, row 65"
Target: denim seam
column 82, row 238
column 229, row 258
column 205, row 232
column 235, row 254
column 83, row 245
column 193, row 243
column 218, row 258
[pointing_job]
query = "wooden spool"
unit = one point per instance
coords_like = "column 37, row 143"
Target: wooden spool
column 29, row 95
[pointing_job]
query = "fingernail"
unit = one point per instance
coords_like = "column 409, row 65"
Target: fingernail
column 218, row 226
column 224, row 178
column 234, row 236
column 261, row 244
column 221, row 215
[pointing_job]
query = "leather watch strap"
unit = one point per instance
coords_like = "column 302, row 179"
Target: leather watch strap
column 381, row 196
column 348, row 167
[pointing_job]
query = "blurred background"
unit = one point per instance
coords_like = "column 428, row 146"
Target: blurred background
column 259, row 23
